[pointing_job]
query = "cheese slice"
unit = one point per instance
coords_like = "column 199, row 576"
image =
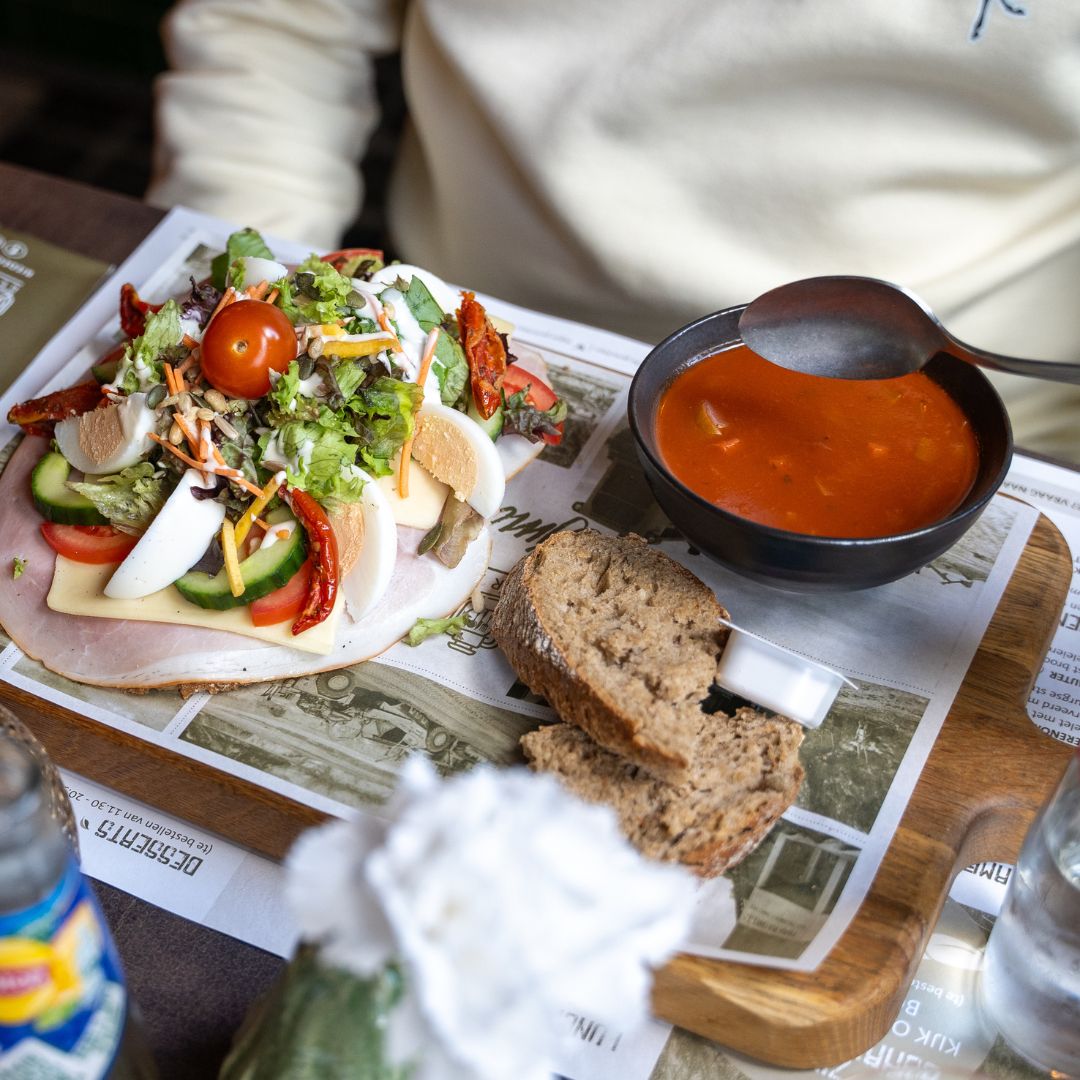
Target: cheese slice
column 77, row 589
column 423, row 508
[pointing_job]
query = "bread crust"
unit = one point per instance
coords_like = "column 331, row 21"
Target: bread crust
column 551, row 663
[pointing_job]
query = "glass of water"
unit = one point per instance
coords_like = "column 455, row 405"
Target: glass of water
column 1030, row 984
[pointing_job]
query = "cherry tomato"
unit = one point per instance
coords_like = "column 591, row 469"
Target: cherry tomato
column 88, row 543
column 243, row 344
column 540, row 395
column 284, row 603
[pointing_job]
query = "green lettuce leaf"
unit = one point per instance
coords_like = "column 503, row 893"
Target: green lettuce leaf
column 349, row 374
column 287, row 401
column 452, row 370
column 129, row 499
column 316, row 293
column 243, row 242
column 425, row 628
column 361, row 324
column 140, row 365
column 382, row 416
column 522, row 418
column 319, row 456
column 449, row 363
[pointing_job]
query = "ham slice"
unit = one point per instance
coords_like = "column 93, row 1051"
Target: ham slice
column 127, row 653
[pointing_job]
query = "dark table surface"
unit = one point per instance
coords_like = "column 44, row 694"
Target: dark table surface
column 192, row 985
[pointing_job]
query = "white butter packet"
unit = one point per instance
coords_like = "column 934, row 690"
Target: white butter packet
column 777, row 678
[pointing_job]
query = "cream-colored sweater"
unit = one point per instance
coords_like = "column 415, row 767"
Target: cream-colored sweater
column 634, row 165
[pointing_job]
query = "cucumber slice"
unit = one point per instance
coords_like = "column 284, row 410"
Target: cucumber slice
column 494, row 425
column 263, row 571
column 56, row 501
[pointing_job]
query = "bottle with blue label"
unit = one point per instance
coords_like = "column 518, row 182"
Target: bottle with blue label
column 64, row 1011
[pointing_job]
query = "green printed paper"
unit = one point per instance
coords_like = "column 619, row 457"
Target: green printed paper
column 41, row 287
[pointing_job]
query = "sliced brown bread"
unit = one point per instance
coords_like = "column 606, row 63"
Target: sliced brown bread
column 745, row 774
column 620, row 639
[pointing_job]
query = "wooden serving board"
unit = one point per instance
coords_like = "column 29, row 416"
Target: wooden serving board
column 990, row 769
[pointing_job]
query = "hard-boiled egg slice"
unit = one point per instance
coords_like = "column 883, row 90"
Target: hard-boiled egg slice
column 445, row 297
column 257, row 269
column 367, row 548
column 172, row 545
column 107, row 440
column 515, row 452
column 457, row 451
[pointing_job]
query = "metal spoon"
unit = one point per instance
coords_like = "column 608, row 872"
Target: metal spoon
column 863, row 328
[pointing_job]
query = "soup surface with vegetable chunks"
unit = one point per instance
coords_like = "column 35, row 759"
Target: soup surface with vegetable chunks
column 808, row 454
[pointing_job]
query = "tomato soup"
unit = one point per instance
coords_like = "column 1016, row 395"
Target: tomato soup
column 826, row 457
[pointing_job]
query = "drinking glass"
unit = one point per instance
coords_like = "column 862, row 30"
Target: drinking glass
column 1030, row 985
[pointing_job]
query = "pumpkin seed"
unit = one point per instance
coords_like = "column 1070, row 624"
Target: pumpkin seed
column 430, row 540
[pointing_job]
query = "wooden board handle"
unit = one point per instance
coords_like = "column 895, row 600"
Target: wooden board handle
column 989, row 771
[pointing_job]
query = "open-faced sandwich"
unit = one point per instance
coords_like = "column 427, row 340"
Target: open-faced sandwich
column 282, row 471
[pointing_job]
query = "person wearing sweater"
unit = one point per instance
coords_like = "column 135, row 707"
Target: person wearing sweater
column 635, row 165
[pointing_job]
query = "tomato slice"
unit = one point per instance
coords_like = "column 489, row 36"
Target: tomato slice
column 88, row 543
column 540, row 395
column 346, row 260
column 284, row 603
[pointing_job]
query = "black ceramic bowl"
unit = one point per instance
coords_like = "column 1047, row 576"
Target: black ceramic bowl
column 793, row 561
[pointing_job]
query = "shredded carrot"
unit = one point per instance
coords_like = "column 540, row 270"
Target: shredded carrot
column 387, row 326
column 190, row 461
column 257, row 292
column 188, row 362
column 190, row 342
column 274, row 293
column 250, row 514
column 429, row 355
column 170, row 378
column 191, row 436
column 227, row 297
column 235, row 475
column 406, row 449
column 205, row 442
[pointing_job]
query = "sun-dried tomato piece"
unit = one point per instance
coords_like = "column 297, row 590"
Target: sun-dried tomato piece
column 39, row 415
column 485, row 352
column 133, row 311
column 325, row 565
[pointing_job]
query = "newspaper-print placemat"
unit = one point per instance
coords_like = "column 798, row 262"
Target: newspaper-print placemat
column 336, row 740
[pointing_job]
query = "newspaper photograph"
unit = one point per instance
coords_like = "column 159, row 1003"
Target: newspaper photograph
column 336, row 740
